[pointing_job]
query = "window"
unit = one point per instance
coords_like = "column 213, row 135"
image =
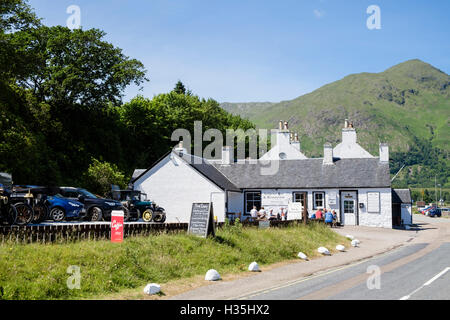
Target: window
column 252, row 198
column 300, row 197
column 349, row 206
column 319, row 200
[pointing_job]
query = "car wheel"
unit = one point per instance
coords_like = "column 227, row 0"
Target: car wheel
column 57, row 214
column 147, row 215
column 96, row 214
column 160, row 216
column 24, row 214
column 40, row 213
column 126, row 215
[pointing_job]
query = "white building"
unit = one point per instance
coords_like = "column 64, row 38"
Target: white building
column 347, row 179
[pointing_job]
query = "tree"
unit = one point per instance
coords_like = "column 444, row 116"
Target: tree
column 179, row 88
column 76, row 67
column 15, row 17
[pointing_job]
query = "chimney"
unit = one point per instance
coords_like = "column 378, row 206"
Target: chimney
column 349, row 135
column 180, row 149
column 346, row 123
column 384, row 152
column 327, row 154
column 296, row 143
column 286, row 125
column 227, row 155
column 283, row 134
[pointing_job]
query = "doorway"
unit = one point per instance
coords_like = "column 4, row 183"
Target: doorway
column 349, row 208
column 301, row 197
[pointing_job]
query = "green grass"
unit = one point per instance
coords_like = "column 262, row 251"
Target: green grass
column 38, row 271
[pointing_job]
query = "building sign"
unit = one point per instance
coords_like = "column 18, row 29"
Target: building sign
column 332, row 197
column 373, row 202
column 275, row 202
column 117, row 226
column 295, row 211
column 202, row 220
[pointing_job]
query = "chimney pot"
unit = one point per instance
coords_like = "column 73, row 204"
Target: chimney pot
column 280, row 125
column 286, row 125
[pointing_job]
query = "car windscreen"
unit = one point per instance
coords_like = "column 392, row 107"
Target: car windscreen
column 87, row 194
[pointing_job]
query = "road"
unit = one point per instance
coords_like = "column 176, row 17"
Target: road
column 417, row 266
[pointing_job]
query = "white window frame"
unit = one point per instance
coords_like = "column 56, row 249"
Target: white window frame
column 314, row 200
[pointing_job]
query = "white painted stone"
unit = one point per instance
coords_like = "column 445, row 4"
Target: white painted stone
column 302, row 256
column 355, row 243
column 212, row 275
column 323, row 251
column 253, row 267
column 152, row 288
column 340, row 247
column 350, row 237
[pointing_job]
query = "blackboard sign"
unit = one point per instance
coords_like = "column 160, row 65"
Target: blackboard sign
column 202, row 220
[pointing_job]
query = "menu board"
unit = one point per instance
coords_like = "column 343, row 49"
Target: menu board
column 373, row 202
column 202, row 220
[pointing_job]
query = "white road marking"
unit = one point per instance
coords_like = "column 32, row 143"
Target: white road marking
column 426, row 284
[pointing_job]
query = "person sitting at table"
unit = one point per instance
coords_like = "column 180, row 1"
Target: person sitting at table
column 329, row 218
column 334, row 218
column 319, row 214
column 262, row 214
column 272, row 216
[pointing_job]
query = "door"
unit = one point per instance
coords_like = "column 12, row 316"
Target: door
column 302, row 197
column 349, row 208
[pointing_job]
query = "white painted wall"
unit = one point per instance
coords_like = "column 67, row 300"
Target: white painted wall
column 174, row 185
column 406, row 213
column 382, row 219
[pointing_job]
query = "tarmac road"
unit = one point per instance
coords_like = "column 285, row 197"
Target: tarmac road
column 411, row 264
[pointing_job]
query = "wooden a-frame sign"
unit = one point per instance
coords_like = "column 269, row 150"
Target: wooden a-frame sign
column 202, row 220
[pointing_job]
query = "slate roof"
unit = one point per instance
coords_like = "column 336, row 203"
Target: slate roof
column 293, row 174
column 310, row 173
column 401, row 196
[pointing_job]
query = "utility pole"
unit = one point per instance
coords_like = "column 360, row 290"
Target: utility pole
column 435, row 189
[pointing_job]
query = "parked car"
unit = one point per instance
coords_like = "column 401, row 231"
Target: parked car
column 136, row 205
column 97, row 209
column 48, row 203
column 8, row 212
column 435, row 212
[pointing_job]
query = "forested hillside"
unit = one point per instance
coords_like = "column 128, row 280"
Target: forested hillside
column 407, row 106
column 62, row 120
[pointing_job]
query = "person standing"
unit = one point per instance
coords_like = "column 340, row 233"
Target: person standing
column 254, row 213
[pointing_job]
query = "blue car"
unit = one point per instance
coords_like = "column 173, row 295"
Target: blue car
column 60, row 208
column 435, row 212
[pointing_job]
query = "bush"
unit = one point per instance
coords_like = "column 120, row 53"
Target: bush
column 101, row 175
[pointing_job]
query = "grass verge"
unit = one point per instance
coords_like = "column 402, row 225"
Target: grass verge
column 39, row 271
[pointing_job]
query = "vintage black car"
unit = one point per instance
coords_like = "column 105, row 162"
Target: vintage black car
column 97, row 208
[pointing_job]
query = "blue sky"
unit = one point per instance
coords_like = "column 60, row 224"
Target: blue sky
column 249, row 50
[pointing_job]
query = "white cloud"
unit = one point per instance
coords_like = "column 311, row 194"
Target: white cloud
column 319, row 13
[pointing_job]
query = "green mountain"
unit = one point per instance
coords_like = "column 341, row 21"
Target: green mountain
column 407, row 106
